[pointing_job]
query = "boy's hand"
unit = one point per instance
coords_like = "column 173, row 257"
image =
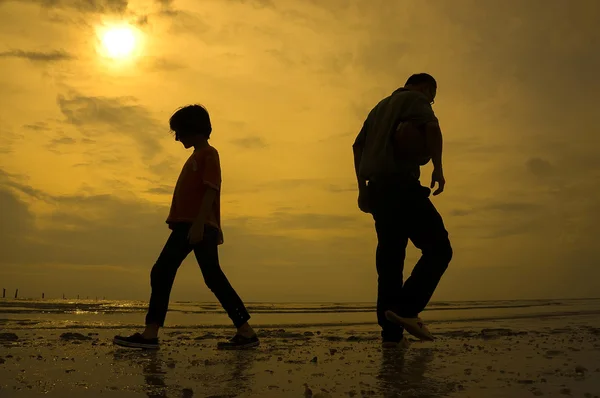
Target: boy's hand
column 196, row 233
column 438, row 176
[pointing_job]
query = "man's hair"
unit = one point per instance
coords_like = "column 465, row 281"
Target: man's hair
column 191, row 119
column 421, row 78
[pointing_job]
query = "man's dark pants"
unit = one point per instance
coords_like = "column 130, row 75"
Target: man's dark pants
column 403, row 211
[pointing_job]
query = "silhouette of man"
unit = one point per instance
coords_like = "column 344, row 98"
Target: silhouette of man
column 400, row 134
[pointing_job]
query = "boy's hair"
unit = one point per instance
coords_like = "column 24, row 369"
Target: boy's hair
column 421, row 78
column 191, row 119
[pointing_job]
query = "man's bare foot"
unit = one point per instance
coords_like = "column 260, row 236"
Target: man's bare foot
column 414, row 326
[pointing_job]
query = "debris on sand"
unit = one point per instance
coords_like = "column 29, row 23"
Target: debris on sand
column 207, row 336
column 8, row 337
column 69, row 336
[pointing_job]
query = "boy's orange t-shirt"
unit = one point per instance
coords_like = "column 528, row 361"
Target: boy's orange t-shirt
column 201, row 172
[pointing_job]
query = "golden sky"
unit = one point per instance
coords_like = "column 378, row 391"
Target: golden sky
column 87, row 164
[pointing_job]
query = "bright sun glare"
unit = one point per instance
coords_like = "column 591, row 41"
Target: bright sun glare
column 119, row 42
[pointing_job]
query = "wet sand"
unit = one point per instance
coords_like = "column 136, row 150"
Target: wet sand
column 551, row 357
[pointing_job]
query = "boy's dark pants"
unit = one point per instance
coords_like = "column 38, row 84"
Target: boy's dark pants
column 403, row 211
column 163, row 274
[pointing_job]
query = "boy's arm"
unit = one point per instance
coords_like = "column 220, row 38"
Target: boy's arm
column 206, row 205
column 211, row 178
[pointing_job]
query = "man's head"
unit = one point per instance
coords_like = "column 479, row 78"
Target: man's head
column 190, row 123
column 423, row 82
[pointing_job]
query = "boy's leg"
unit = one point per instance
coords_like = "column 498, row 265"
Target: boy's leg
column 427, row 232
column 207, row 255
column 161, row 280
column 390, row 254
column 163, row 274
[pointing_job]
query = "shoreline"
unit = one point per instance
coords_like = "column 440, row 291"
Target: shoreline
column 554, row 356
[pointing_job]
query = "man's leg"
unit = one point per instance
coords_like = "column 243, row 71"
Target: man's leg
column 427, row 232
column 389, row 259
column 163, row 274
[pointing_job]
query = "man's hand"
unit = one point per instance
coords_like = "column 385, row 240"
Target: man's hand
column 438, row 176
column 363, row 200
column 196, row 233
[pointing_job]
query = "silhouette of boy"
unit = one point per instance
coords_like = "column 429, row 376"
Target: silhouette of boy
column 195, row 222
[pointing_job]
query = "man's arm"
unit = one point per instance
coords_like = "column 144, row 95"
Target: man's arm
column 434, row 143
column 435, row 147
column 357, row 149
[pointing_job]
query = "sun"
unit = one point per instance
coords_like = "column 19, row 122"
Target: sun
column 119, row 41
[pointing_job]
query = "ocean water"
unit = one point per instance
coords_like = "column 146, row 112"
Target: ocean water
column 59, row 313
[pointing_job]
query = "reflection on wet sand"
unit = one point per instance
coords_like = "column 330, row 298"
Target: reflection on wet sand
column 240, row 365
column 154, row 375
column 403, row 373
column 235, row 378
column 152, row 366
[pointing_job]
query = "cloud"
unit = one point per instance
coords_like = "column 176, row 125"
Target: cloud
column 116, row 115
column 142, row 20
column 63, row 141
column 56, row 144
column 289, row 184
column 7, row 140
column 251, row 142
column 460, row 212
column 539, row 167
column 341, row 189
column 161, row 190
column 513, row 207
column 288, row 221
column 162, row 64
column 84, row 6
column 79, row 222
column 38, row 56
column 256, row 3
column 38, row 126
column 88, row 234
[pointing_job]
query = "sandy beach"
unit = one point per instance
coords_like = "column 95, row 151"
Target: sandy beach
column 553, row 355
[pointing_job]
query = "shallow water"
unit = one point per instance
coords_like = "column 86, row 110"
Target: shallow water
column 53, row 313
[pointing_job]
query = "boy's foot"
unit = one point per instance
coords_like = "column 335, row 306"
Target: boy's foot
column 414, row 326
column 136, row 341
column 403, row 344
column 239, row 342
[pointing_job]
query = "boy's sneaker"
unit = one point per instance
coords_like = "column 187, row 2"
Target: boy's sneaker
column 239, row 342
column 403, row 344
column 414, row 326
column 136, row 341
